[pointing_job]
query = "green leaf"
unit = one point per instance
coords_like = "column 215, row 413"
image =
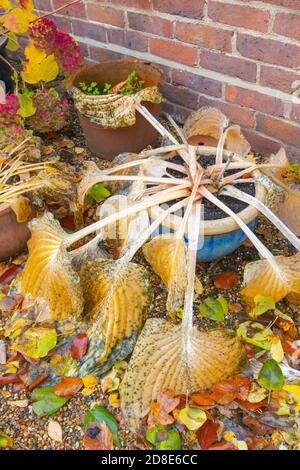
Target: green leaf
column 98, row 193
column 26, row 104
column 5, row 441
column 271, row 376
column 97, row 414
column 47, row 402
column 214, row 309
column 173, row 441
column 262, row 305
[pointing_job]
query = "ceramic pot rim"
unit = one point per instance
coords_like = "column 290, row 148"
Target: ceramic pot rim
column 227, row 224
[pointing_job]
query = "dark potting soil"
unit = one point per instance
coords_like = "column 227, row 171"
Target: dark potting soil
column 211, row 212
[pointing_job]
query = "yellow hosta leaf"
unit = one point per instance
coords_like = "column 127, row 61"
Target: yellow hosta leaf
column 276, row 279
column 13, row 42
column 48, row 273
column 159, row 363
column 17, row 20
column 193, row 417
column 295, row 391
column 167, row 257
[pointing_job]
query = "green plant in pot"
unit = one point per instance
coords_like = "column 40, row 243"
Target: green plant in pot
column 112, row 295
column 106, row 96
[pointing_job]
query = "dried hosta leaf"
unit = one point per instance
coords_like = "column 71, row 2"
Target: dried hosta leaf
column 289, row 209
column 21, row 207
column 158, row 363
column 209, row 122
column 272, row 280
column 48, row 273
column 116, row 297
column 236, row 142
column 91, row 175
column 167, row 257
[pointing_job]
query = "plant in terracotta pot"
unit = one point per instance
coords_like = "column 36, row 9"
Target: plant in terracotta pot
column 107, row 96
column 111, row 296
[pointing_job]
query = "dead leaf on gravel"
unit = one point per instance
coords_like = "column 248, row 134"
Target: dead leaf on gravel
column 55, row 431
column 68, row 386
column 19, row 403
column 98, row 437
column 226, row 280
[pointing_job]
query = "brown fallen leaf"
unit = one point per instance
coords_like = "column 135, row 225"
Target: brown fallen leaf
column 68, row 386
column 226, row 280
column 159, row 410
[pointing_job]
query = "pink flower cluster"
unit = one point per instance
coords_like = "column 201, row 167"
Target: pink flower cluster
column 45, row 34
column 9, row 114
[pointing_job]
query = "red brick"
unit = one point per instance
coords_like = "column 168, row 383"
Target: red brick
column 254, row 100
column 83, row 49
column 294, row 4
column 261, row 143
column 287, row 24
column 150, row 24
column 173, row 51
column 278, row 78
column 181, row 96
column 106, row 15
column 167, row 107
column 87, row 30
column 77, row 10
column 228, row 65
column 101, row 55
column 181, row 114
column 239, row 15
column 295, row 113
column 44, row 5
column 268, row 50
column 63, row 23
column 197, row 83
column 130, row 39
column 142, row 4
column 204, row 36
column 279, row 129
column 189, row 8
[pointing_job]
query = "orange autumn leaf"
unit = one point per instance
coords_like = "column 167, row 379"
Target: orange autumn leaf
column 208, row 433
column 79, row 346
column 17, row 20
column 226, row 280
column 27, row 4
column 159, row 411
column 237, row 387
column 68, row 386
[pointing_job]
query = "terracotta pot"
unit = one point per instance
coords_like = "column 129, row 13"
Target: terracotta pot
column 107, row 143
column 13, row 236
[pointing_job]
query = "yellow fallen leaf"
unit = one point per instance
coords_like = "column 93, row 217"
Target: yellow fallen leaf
column 193, row 417
column 294, row 390
column 276, row 350
column 55, row 359
column 114, row 400
column 89, row 381
column 87, row 391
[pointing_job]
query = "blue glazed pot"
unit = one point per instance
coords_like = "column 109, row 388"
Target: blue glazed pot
column 217, row 246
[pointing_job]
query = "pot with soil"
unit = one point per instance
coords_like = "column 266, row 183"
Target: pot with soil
column 222, row 235
column 105, row 97
column 5, row 70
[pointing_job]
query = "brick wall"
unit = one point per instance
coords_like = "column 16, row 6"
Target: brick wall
column 239, row 55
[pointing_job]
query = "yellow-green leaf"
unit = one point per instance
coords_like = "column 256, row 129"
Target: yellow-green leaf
column 36, row 342
column 193, row 417
column 262, row 305
column 13, row 42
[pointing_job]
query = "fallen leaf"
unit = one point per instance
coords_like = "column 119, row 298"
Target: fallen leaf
column 79, row 346
column 5, row 441
column 207, row 434
column 193, row 417
column 114, row 400
column 46, row 402
column 98, row 437
column 90, row 383
column 270, row 376
column 226, row 280
column 54, row 431
column 19, row 403
column 68, row 386
column 98, row 414
column 40, row 379
column 36, row 342
column 159, row 410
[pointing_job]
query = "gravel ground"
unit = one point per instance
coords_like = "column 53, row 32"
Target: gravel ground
column 30, row 432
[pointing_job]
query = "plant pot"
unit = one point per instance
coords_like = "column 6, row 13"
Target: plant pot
column 13, row 235
column 107, row 142
column 5, row 70
column 221, row 236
